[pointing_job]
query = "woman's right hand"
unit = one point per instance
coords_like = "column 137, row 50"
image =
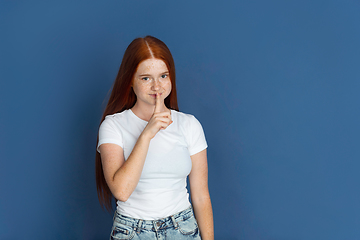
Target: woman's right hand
column 158, row 121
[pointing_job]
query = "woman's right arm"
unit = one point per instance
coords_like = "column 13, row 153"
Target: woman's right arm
column 123, row 176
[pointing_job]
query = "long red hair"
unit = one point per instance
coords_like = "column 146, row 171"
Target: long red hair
column 123, row 97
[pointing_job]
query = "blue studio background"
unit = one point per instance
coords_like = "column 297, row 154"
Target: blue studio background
column 275, row 85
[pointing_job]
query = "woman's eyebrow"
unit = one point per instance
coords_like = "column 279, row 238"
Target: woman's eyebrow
column 146, row 74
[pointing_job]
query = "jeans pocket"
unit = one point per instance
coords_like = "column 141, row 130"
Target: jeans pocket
column 188, row 226
column 121, row 232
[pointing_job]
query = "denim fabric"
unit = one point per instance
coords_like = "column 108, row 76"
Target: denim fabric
column 179, row 226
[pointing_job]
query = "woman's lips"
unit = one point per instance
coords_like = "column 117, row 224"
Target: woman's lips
column 154, row 95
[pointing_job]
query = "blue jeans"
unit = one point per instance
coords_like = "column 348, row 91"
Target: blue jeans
column 179, row 226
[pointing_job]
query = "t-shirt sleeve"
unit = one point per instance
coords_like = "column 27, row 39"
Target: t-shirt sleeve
column 108, row 133
column 196, row 137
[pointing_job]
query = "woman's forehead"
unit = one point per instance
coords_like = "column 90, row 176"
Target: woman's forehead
column 152, row 65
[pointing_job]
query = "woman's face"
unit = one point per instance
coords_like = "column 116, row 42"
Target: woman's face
column 151, row 77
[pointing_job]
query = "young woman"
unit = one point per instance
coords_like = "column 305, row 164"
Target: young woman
column 147, row 148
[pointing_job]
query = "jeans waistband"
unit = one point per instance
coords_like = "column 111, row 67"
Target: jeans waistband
column 155, row 225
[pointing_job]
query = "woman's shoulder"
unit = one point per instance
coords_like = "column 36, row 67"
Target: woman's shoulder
column 116, row 117
column 182, row 115
column 184, row 118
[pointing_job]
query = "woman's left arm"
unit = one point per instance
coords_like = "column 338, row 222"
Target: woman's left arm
column 200, row 196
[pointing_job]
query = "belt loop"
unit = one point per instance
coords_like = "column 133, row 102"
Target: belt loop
column 174, row 222
column 154, row 224
column 139, row 225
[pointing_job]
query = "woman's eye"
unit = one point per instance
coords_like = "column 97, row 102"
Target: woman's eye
column 145, row 78
column 164, row 76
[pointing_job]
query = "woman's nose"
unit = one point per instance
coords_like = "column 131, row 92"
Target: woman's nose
column 156, row 84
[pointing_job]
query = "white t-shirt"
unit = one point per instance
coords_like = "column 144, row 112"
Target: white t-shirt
column 161, row 190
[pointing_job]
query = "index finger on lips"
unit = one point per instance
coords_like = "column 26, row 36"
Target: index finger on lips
column 157, row 103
